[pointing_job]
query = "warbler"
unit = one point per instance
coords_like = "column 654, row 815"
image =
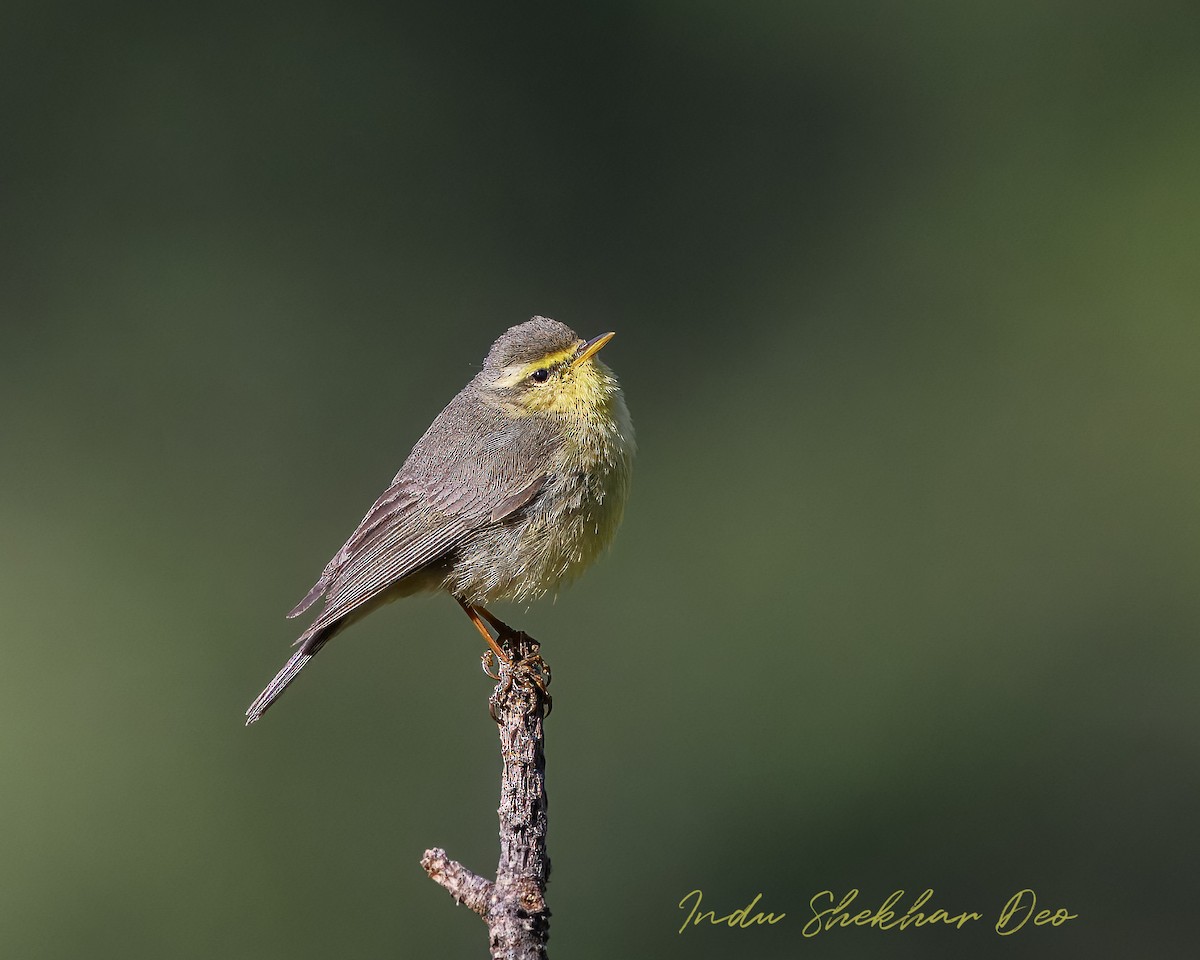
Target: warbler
column 515, row 488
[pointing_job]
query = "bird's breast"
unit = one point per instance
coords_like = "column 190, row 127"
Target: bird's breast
column 564, row 528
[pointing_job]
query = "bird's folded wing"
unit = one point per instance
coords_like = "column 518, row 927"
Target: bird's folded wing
column 396, row 500
column 402, row 533
column 488, row 470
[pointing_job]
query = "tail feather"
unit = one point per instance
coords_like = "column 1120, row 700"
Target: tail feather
column 311, row 597
column 309, row 646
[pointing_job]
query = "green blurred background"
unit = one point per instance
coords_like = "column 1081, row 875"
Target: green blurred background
column 906, row 595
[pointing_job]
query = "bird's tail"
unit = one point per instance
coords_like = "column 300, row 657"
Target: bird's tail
column 309, row 646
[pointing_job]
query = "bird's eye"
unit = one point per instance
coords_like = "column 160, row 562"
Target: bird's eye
column 540, row 375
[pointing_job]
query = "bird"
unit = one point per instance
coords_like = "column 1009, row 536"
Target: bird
column 513, row 491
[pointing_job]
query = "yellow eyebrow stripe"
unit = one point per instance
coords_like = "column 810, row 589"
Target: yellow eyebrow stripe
column 517, row 372
column 549, row 360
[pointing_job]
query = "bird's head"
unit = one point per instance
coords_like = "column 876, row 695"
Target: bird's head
column 543, row 366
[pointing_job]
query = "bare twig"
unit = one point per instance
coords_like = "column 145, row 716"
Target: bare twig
column 514, row 907
column 468, row 889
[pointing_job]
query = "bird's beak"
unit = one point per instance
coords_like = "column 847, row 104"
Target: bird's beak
column 591, row 348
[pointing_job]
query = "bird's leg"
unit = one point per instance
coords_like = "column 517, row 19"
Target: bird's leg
column 502, row 628
column 499, row 651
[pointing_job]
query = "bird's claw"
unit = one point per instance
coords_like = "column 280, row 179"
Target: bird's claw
column 530, row 672
column 537, row 672
column 486, row 662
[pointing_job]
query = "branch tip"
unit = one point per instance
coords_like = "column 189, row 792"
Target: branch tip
column 467, row 888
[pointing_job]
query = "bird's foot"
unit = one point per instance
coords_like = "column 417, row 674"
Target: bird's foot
column 515, row 656
column 526, row 670
column 488, row 656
